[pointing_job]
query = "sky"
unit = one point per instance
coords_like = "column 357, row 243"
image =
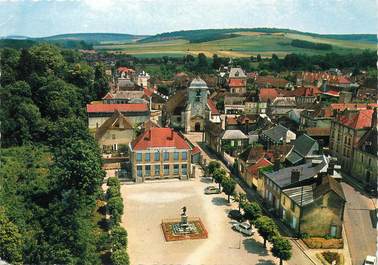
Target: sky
column 38, row 18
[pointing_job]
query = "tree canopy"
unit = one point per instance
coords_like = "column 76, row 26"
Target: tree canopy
column 229, row 186
column 267, row 228
column 50, row 170
column 281, row 248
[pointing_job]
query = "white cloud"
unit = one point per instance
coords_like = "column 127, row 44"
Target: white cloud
column 99, row 5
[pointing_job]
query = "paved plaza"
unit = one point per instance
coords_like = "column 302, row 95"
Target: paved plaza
column 148, row 203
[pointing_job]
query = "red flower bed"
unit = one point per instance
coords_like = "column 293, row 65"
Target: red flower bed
column 170, row 236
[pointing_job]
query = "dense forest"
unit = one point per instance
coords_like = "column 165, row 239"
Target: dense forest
column 311, row 45
column 50, row 172
column 63, row 43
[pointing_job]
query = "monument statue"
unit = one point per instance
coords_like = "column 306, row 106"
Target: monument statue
column 183, row 211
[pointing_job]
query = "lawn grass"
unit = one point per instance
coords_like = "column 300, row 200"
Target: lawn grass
column 247, row 44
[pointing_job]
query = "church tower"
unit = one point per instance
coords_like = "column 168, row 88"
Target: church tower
column 196, row 105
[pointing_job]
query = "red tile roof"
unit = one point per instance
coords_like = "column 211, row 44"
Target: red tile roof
column 159, row 137
column 343, row 80
column 271, row 81
column 315, row 131
column 332, row 79
column 261, row 163
column 242, row 119
column 148, row 92
column 267, row 93
column 196, row 150
column 332, row 93
column 108, row 96
column 342, row 106
column 93, row 108
column 213, row 107
column 356, row 119
column 301, row 91
column 329, row 111
column 236, row 82
column 125, row 69
column 231, row 120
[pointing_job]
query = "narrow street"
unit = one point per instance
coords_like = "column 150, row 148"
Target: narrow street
column 298, row 257
column 360, row 224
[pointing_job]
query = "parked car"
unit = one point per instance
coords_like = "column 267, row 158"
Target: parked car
column 212, row 190
column 370, row 260
column 244, row 228
column 371, row 190
column 236, row 215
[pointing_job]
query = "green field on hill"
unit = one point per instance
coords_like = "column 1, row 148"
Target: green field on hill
column 241, row 44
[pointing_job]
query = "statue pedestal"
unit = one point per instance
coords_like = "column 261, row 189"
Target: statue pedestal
column 184, row 221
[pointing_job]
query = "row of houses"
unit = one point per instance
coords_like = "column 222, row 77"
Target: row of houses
column 129, row 127
column 292, row 176
column 280, row 147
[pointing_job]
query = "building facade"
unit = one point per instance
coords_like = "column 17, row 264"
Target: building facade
column 160, row 153
column 114, row 133
column 237, row 81
column 99, row 113
column 365, row 156
column 346, row 131
column 307, row 198
column 196, row 108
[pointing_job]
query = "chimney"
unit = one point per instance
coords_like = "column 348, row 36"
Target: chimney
column 148, row 135
column 374, row 119
column 330, row 168
column 324, row 87
column 320, row 177
column 170, row 137
column 276, row 160
column 295, row 175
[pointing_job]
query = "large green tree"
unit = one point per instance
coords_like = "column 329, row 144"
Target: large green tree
column 240, row 198
column 10, row 241
column 78, row 166
column 21, row 120
column 281, row 248
column 252, row 211
column 267, row 228
column 46, row 59
column 8, row 63
column 218, row 175
column 101, row 81
column 59, row 99
column 82, row 75
column 229, row 186
column 211, row 167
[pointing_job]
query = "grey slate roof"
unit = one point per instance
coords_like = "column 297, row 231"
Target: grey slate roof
column 303, row 146
column 198, row 82
column 233, row 134
column 294, row 158
column 282, row 177
column 284, row 101
column 369, row 142
column 301, row 195
column 237, row 72
column 276, row 133
column 305, row 195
